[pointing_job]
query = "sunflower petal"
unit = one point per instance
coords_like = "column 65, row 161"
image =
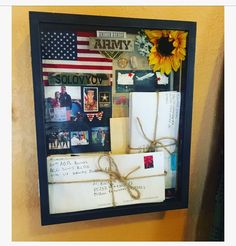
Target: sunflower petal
column 168, row 66
column 182, row 51
column 173, row 35
column 175, row 64
column 153, row 35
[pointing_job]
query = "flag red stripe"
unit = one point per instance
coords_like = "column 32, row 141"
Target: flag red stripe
column 86, row 34
column 94, row 59
column 83, row 42
column 77, row 66
column 84, row 51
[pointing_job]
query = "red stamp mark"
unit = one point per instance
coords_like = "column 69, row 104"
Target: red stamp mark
column 148, row 161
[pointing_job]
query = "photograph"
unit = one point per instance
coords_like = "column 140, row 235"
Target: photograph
column 90, row 99
column 59, row 139
column 100, row 135
column 79, row 138
column 62, row 103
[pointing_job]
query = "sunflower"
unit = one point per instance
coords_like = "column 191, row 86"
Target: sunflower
column 168, row 50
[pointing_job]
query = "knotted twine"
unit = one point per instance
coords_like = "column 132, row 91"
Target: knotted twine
column 155, row 142
column 114, row 175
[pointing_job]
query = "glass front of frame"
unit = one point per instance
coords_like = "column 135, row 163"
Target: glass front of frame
column 112, row 98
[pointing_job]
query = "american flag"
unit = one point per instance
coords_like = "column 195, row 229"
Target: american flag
column 68, row 52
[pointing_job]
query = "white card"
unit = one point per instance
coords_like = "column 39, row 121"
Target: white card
column 71, row 196
column 147, row 106
column 162, row 79
column 125, row 79
column 58, row 114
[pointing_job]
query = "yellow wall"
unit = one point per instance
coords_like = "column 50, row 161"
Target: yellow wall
column 164, row 226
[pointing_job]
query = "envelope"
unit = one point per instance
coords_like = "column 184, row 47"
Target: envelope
column 119, row 135
column 74, row 185
column 151, row 107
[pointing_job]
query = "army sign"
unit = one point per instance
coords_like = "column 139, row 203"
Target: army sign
column 110, row 44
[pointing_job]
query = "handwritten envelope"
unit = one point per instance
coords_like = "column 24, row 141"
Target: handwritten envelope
column 74, row 185
column 162, row 108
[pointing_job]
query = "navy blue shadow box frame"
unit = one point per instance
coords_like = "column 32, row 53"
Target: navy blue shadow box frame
column 42, row 21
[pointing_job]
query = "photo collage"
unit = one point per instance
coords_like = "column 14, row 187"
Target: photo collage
column 77, row 113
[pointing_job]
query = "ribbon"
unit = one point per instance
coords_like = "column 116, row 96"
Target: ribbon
column 92, row 115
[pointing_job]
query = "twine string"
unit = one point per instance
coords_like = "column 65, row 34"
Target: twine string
column 114, row 174
column 156, row 142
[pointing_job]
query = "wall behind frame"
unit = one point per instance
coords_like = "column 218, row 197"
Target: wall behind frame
column 159, row 226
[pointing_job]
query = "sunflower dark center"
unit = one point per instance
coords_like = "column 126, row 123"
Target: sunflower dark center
column 165, row 47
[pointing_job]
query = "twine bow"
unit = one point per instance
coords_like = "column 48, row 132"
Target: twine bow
column 114, row 174
column 156, row 142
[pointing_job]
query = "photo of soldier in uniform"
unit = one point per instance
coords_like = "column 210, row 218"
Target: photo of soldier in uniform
column 100, row 136
column 90, row 99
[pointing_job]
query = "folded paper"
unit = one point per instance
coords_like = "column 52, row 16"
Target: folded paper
column 82, row 182
column 155, row 116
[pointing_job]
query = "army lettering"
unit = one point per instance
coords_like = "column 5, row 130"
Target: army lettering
column 111, row 44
